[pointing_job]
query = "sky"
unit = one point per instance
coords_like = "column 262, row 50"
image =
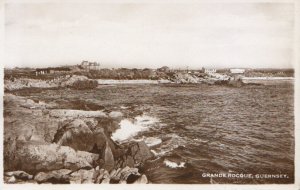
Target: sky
column 140, row 35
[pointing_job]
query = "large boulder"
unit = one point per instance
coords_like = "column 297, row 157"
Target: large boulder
column 70, row 81
column 75, row 134
column 140, row 152
column 87, row 135
column 84, row 85
column 56, row 176
column 109, row 161
column 129, row 174
column 82, row 176
column 25, row 120
column 33, row 157
column 124, row 175
column 185, row 78
column 135, row 154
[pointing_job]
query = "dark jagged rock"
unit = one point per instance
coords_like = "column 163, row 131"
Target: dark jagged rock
column 75, row 134
column 87, row 136
column 125, row 175
column 126, row 172
column 134, row 155
column 84, row 85
column 55, row 176
column 109, row 161
column 82, row 135
column 140, row 152
column 109, row 124
column 132, row 178
column 130, row 161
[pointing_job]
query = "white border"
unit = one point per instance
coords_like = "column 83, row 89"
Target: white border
column 164, row 186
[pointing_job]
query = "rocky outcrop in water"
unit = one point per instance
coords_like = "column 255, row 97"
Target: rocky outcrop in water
column 185, row 78
column 74, row 81
column 67, row 146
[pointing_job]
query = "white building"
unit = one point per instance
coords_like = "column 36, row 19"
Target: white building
column 209, row 71
column 237, row 71
column 90, row 65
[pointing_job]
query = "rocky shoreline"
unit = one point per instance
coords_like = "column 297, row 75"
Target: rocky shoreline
column 47, row 145
column 71, row 81
column 82, row 82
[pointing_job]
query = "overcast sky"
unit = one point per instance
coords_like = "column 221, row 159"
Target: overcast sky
column 150, row 35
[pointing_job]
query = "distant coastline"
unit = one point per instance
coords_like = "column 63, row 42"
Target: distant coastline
column 86, row 76
column 143, row 81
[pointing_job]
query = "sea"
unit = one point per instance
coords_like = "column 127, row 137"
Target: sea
column 199, row 134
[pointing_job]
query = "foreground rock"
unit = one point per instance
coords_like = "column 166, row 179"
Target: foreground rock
column 142, row 180
column 33, row 157
column 79, row 136
column 83, row 176
column 124, row 175
column 136, row 154
column 56, row 176
column 19, row 175
column 66, row 146
column 87, row 135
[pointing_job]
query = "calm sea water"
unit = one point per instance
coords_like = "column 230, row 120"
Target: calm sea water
column 204, row 129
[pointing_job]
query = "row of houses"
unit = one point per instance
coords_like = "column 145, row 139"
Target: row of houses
column 53, row 70
column 89, row 66
column 85, row 65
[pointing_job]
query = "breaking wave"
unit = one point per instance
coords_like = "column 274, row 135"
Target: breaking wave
column 171, row 164
column 129, row 128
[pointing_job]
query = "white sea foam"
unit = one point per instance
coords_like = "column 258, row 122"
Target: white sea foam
column 129, row 128
column 174, row 164
column 124, row 107
column 200, row 140
column 153, row 141
column 161, row 152
column 154, row 152
column 168, row 146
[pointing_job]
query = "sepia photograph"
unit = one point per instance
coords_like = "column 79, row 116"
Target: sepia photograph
column 149, row 92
